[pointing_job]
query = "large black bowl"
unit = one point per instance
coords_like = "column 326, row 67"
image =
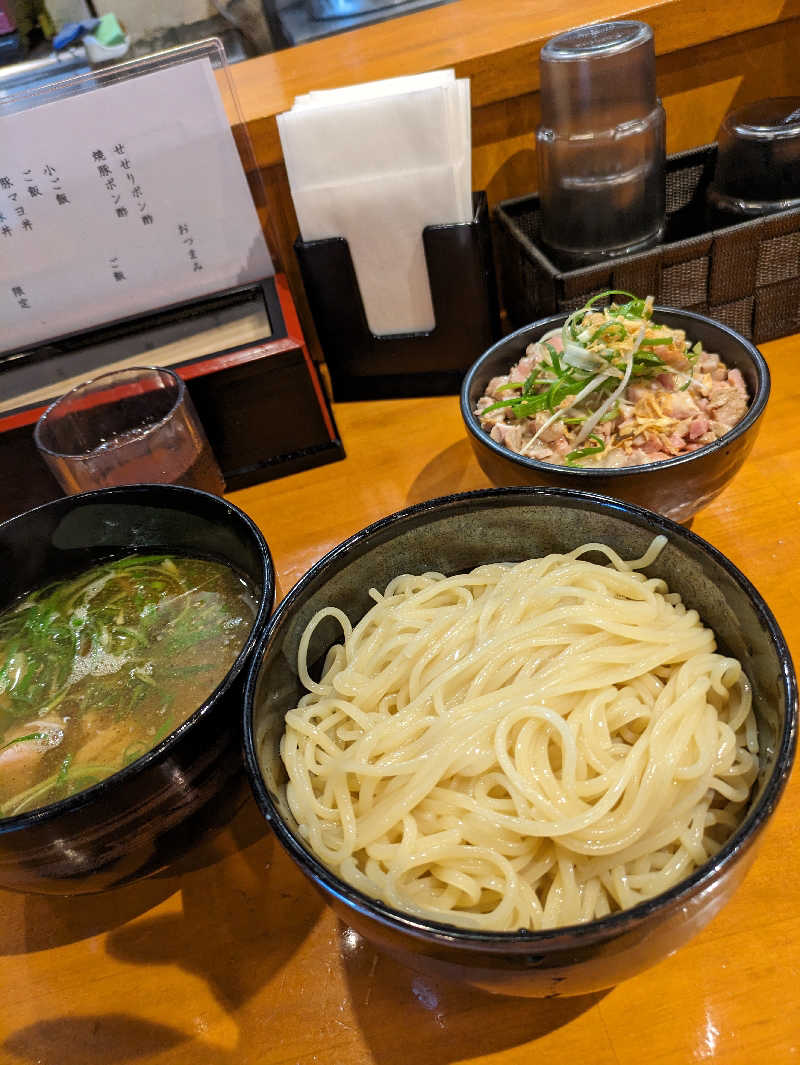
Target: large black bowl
column 150, row 813
column 676, row 487
column 457, row 533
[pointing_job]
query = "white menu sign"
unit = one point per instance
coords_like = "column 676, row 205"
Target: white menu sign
column 121, row 200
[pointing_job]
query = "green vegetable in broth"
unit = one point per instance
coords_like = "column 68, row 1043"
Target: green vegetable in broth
column 98, row 669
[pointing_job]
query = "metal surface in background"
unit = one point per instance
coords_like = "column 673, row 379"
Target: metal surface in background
column 322, row 9
column 308, row 20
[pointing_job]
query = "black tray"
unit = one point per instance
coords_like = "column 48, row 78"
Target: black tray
column 261, row 404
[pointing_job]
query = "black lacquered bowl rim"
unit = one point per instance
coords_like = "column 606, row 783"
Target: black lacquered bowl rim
column 523, row 940
column 584, row 475
column 96, row 792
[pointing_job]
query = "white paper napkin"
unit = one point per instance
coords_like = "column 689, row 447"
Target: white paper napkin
column 375, row 164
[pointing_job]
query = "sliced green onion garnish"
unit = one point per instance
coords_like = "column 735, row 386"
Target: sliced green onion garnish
column 584, row 452
column 583, row 384
column 614, row 327
column 24, row 739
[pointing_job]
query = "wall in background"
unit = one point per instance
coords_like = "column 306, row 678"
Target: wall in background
column 143, row 17
column 63, row 11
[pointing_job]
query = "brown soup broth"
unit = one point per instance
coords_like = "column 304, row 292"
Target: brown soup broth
column 97, row 669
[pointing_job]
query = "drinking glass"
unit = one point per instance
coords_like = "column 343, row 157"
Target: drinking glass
column 130, row 426
column 758, row 161
column 600, row 144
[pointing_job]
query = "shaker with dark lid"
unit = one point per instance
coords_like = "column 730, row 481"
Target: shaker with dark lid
column 600, row 144
column 758, row 159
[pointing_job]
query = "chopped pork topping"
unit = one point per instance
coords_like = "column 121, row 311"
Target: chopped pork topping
column 610, row 389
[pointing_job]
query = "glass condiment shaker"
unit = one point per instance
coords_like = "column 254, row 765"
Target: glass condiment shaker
column 600, row 145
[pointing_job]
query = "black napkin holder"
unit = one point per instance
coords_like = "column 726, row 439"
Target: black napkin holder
column 365, row 366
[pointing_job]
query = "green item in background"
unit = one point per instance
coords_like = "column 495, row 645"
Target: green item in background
column 33, row 21
column 108, row 31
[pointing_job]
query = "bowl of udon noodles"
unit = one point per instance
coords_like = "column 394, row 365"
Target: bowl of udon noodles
column 128, row 616
column 526, row 738
column 649, row 404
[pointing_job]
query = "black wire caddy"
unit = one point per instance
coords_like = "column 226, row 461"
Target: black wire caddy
column 743, row 272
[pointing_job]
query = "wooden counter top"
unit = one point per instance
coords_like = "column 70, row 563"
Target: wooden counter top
column 495, row 44
column 236, row 961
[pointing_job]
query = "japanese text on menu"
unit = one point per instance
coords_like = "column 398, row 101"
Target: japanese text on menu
column 126, row 197
column 117, row 221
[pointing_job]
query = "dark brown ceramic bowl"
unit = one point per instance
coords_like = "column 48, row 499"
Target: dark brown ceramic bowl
column 154, row 810
column 677, row 487
column 458, row 533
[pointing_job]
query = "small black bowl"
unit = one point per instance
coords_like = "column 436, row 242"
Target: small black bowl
column 677, row 487
column 152, row 812
column 457, row 533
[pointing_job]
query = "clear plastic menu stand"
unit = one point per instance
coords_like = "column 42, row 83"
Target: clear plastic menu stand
column 129, row 235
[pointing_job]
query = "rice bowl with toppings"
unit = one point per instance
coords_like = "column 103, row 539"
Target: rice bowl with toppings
column 612, row 388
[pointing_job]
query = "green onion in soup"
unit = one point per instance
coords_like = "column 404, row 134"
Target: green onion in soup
column 97, row 669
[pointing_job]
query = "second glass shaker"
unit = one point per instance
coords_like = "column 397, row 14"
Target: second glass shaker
column 601, row 143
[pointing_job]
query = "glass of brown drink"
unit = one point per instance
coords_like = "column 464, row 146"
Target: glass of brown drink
column 132, row 426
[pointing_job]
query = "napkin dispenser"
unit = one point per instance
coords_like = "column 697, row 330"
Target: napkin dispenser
column 365, row 366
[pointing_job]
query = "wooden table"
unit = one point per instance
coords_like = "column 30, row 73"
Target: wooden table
column 235, row 960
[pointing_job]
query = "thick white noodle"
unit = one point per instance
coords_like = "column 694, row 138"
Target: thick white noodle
column 524, row 746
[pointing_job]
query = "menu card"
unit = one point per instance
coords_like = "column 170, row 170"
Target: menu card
column 121, row 200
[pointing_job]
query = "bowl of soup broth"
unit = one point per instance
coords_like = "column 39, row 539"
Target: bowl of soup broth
column 127, row 618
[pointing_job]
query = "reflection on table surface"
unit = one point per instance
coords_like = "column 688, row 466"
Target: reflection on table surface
column 233, row 959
